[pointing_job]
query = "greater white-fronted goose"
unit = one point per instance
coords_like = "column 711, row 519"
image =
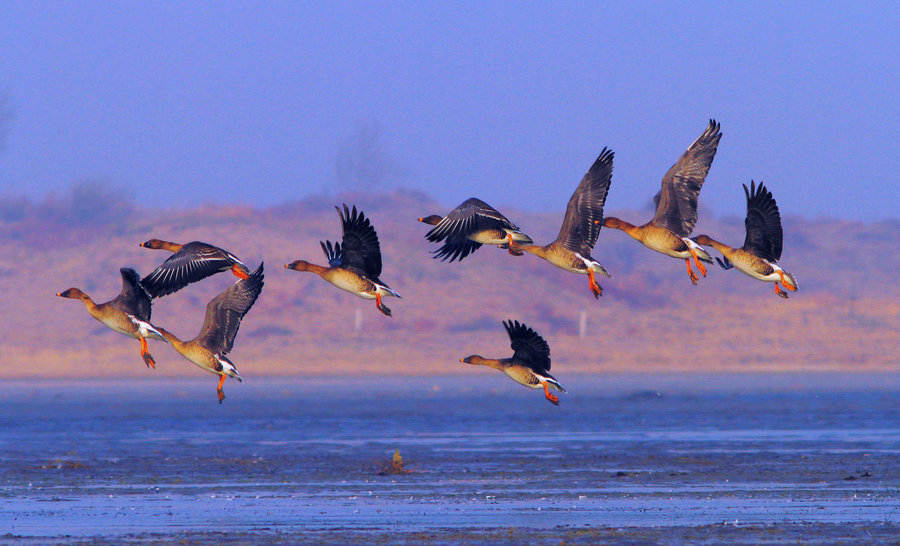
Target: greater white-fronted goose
column 676, row 205
column 216, row 338
column 354, row 264
column 762, row 244
column 530, row 362
column 580, row 228
column 190, row 263
column 472, row 224
column 128, row 313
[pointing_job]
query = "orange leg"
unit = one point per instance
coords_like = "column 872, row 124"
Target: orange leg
column 382, row 307
column 552, row 398
column 698, row 262
column 595, row 287
column 512, row 246
column 694, row 277
column 786, row 284
column 145, row 352
column 780, row 292
column 219, row 390
column 239, row 272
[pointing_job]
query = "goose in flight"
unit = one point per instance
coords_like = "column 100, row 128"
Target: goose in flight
column 762, row 244
column 354, row 264
column 220, row 326
column 580, row 228
column 472, row 224
column 530, row 363
column 128, row 313
column 190, row 263
column 676, row 205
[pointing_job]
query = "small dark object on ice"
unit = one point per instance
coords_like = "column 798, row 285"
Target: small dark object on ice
column 395, row 466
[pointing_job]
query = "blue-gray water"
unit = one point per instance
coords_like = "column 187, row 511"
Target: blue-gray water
column 653, row 457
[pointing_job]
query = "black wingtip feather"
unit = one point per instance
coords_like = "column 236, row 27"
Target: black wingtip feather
column 529, row 347
column 130, row 274
column 133, row 278
column 258, row 272
column 254, row 284
column 606, row 155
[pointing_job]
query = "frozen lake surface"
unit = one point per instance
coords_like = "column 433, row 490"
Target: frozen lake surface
column 715, row 457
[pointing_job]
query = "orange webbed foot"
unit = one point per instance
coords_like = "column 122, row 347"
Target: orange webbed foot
column 551, row 397
column 219, row 392
column 240, row 271
column 513, row 248
column 382, row 307
column 780, row 292
column 694, row 277
column 148, row 360
column 697, row 261
column 595, row 287
column 786, row 284
column 701, row 268
column 145, row 354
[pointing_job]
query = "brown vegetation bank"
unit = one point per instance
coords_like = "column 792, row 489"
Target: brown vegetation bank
column 650, row 318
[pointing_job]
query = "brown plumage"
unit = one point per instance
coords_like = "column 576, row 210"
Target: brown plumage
column 472, row 224
column 128, row 313
column 530, row 362
column 580, row 228
column 676, row 205
column 220, row 326
column 762, row 243
column 191, row 262
column 354, row 264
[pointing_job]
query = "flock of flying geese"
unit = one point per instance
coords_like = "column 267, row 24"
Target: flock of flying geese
column 354, row 263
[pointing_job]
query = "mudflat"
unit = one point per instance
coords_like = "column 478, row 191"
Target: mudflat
column 626, row 457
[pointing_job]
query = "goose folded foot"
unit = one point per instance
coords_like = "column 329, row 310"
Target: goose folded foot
column 595, row 287
column 511, row 247
column 145, row 353
column 219, row 391
column 148, row 360
column 785, row 282
column 240, row 271
column 780, row 292
column 551, row 397
column 382, row 307
column 694, row 277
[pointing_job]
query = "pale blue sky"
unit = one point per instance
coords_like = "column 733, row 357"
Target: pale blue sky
column 189, row 102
